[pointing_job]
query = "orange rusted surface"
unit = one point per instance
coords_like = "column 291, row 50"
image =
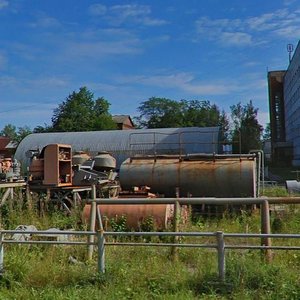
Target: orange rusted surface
column 198, row 177
column 135, row 214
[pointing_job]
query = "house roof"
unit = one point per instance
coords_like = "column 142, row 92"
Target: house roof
column 120, row 119
column 4, row 141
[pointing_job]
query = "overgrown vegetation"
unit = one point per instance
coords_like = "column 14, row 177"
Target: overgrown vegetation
column 47, row 272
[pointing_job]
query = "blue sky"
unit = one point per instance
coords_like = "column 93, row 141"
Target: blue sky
column 129, row 51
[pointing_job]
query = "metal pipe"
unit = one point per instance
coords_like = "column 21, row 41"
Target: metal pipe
column 176, row 220
column 266, row 228
column 221, row 255
column 91, row 238
column 100, row 243
column 204, row 200
column 211, row 246
column 101, row 251
column 261, row 167
column 159, row 233
column 263, row 247
column 1, row 254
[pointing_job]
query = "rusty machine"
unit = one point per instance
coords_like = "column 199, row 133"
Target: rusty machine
column 10, row 170
column 60, row 172
column 57, row 166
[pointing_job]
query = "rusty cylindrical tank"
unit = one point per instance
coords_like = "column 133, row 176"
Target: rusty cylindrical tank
column 135, row 214
column 196, row 175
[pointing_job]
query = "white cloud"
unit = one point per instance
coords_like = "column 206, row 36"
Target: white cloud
column 97, row 9
column 289, row 2
column 236, row 38
column 185, row 82
column 126, row 13
column 3, row 61
column 97, row 50
column 3, row 4
column 46, row 22
column 283, row 23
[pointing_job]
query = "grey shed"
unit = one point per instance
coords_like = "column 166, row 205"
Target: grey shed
column 123, row 144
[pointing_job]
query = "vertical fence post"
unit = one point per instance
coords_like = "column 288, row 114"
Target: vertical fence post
column 101, row 251
column 91, row 238
column 174, row 252
column 1, row 254
column 221, row 255
column 101, row 243
column 266, row 229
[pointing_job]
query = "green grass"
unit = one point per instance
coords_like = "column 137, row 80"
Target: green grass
column 44, row 272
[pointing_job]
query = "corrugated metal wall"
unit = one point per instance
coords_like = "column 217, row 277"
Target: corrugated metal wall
column 126, row 143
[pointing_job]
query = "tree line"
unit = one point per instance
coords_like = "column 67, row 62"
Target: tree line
column 81, row 111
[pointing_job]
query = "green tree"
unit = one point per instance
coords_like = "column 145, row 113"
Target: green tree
column 16, row 135
column 10, row 131
column 246, row 134
column 160, row 113
column 22, row 133
column 80, row 112
column 267, row 132
column 163, row 113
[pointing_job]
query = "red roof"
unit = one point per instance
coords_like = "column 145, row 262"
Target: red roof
column 4, row 141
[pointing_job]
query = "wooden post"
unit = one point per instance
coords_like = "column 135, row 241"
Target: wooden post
column 28, row 197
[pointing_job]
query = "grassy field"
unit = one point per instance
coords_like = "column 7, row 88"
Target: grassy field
column 45, row 272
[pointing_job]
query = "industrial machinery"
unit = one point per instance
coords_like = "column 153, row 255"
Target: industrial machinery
column 56, row 166
column 9, row 169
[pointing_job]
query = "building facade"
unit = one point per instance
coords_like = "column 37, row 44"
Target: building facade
column 284, row 103
column 292, row 105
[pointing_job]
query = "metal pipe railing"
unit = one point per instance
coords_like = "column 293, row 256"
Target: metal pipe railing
column 204, row 200
column 220, row 245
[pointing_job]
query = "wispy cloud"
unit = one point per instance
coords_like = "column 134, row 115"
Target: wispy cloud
column 3, row 4
column 289, row 2
column 283, row 23
column 185, row 82
column 46, row 22
column 3, row 61
column 127, row 13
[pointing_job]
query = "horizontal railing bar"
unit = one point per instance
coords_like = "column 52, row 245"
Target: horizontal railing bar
column 163, row 245
column 262, row 247
column 113, row 233
column 261, row 235
column 31, row 242
column 205, row 200
column 200, row 234
column 47, row 232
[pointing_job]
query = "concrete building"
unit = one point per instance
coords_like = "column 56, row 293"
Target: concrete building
column 284, row 102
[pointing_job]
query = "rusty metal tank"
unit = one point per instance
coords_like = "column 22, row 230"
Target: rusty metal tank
column 136, row 215
column 104, row 161
column 194, row 175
